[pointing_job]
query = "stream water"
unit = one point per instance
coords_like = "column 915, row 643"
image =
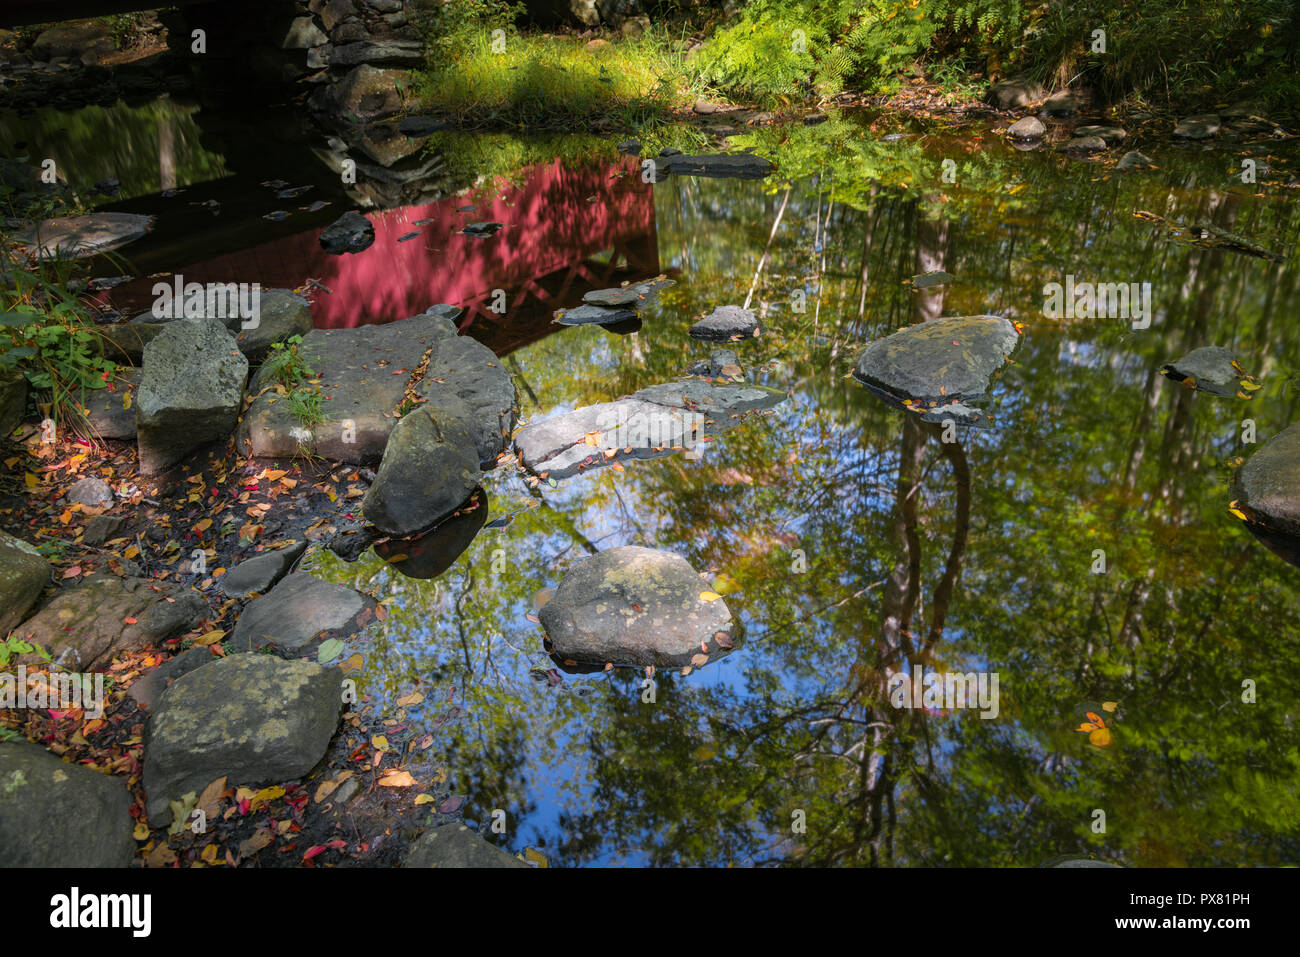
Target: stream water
column 1182, row 642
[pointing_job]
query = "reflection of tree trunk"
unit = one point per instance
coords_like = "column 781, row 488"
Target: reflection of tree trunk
column 961, row 531
column 166, row 153
column 931, row 253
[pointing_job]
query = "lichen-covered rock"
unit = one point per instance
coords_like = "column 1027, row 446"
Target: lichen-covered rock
column 57, row 814
column 636, row 606
column 23, row 573
column 89, row 623
column 282, row 314
column 254, row 719
column 191, row 391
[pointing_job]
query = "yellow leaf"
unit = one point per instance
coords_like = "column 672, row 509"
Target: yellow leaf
column 264, row 797
column 1238, row 513
column 410, row 700
column 353, row 662
column 709, row 596
column 424, row 799
column 379, row 742
column 396, row 779
column 1251, row 386
column 209, row 854
column 31, row 480
column 126, row 400
column 210, row 637
column 1109, row 705
column 141, row 832
column 536, row 857
column 131, row 552
column 1100, row 737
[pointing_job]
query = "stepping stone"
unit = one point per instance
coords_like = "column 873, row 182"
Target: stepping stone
column 300, row 609
column 260, row 573
column 722, row 362
column 1111, row 134
column 1209, row 369
column 106, row 410
column 481, row 230
column 588, row 315
column 726, row 324
column 1201, row 127
column 282, row 314
column 429, row 555
column 456, row 846
column 624, row 296
column 350, row 233
column 429, row 469
column 929, row 279
column 355, row 368
column 1027, row 128
column 57, row 814
column 636, row 606
column 1266, row 489
column 1015, row 93
column 1085, row 144
column 253, row 719
column 724, row 166
column 1133, row 160
column 102, row 528
column 948, row 359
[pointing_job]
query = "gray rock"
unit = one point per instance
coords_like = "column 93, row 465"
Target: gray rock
column 429, row 469
column 293, row 613
column 260, row 573
column 283, row 314
column 724, row 166
column 623, row 296
column 125, row 341
column 384, row 6
column 428, row 555
column 1085, row 144
column 1061, row 103
column 1203, row 126
column 191, row 391
column 930, row 279
column 1208, row 369
column 657, row 421
column 332, row 12
column 350, row 233
column 106, row 410
column 13, row 400
column 944, row 359
column 1267, row 489
column 726, row 324
column 1027, row 128
column 253, row 719
column 57, row 814
column 364, row 95
column 86, row 626
column 481, row 230
column 24, row 572
column 147, row 689
column 91, row 491
column 303, row 34
column 1111, row 134
column 102, row 528
column 378, row 51
column 77, row 237
column 364, row 393
column 598, row 315
column 421, row 125
column 455, row 845
column 719, row 360
column 635, row 606
column 1133, row 160
column 1015, row 93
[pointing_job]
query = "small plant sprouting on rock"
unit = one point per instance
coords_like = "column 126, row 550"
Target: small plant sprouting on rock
column 286, row 364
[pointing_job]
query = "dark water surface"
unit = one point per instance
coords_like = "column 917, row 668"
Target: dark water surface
column 809, row 517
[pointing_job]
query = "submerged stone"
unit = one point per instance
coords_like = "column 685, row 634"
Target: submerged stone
column 77, row 237
column 1027, row 128
column 725, row 166
column 1204, row 126
column 350, row 233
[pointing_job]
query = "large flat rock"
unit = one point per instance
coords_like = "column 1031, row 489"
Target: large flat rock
column 356, row 371
column 943, row 359
column 658, row 420
column 104, row 615
column 1267, row 488
column 76, row 237
column 254, row 719
column 635, row 606
column 456, row 846
column 56, row 814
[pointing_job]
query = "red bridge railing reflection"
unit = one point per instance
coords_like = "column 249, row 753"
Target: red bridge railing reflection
column 566, row 230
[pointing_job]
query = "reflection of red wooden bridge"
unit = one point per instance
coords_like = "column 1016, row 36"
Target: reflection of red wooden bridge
column 566, row 230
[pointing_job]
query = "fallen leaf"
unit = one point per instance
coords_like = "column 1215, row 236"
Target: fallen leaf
column 394, row 778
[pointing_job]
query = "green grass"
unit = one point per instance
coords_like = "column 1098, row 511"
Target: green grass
column 544, row 82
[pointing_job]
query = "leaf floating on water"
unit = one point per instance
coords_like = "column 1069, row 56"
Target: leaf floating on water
column 1109, row 705
column 402, row 239
column 315, row 207
column 1250, row 385
column 329, row 649
column 535, row 857
column 451, row 805
column 709, row 596
column 275, row 183
column 424, row 799
column 699, row 661
column 723, row 639
column 292, row 193
column 276, row 215
column 393, row 778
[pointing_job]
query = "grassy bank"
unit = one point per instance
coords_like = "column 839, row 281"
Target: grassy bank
column 483, row 72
